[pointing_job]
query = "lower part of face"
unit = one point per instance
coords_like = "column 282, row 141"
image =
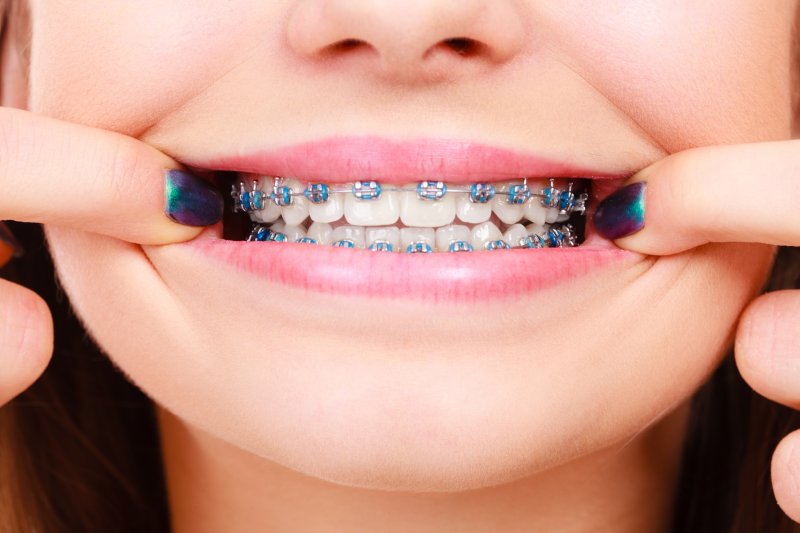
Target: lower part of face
column 403, row 392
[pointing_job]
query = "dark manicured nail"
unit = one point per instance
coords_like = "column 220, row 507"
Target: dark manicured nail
column 8, row 238
column 191, row 201
column 622, row 213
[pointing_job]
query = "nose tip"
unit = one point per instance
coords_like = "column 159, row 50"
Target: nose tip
column 409, row 40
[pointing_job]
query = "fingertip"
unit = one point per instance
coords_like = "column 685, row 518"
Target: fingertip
column 785, row 472
column 767, row 346
column 26, row 339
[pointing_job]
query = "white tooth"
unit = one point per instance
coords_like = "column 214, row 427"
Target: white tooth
column 330, row 211
column 426, row 213
column 390, row 234
column 538, row 229
column 412, row 235
column 552, row 215
column 506, row 212
column 294, row 233
column 352, row 233
column 515, row 234
column 297, row 212
column 271, row 212
column 562, row 218
column 278, row 227
column 472, row 213
column 321, row 232
column 535, row 211
column 448, row 234
column 483, row 233
column 383, row 211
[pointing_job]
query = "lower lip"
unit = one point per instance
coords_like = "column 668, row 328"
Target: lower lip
column 436, row 277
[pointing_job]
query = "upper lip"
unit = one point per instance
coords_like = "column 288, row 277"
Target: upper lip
column 344, row 159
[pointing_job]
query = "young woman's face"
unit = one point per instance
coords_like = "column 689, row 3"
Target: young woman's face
column 390, row 386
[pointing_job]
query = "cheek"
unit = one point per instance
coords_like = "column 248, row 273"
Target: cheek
column 687, row 73
column 123, row 65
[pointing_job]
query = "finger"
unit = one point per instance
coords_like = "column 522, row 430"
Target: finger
column 767, row 346
column 26, row 339
column 60, row 173
column 737, row 193
column 785, row 471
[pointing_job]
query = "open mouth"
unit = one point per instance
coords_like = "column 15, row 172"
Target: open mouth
column 420, row 217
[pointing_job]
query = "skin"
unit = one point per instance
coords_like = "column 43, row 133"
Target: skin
column 413, row 426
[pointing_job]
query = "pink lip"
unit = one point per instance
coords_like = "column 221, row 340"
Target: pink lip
column 341, row 159
column 439, row 277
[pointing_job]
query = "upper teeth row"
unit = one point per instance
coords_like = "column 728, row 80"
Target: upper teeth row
column 253, row 199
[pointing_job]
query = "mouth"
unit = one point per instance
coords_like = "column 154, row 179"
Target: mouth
column 334, row 217
column 423, row 217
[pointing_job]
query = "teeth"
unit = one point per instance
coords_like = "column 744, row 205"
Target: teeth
column 350, row 233
column 409, row 236
column 485, row 233
column 472, row 212
column 535, row 211
column 538, row 229
column 426, row 213
column 294, row 233
column 506, row 212
column 451, row 233
column 384, row 210
column 330, row 211
column 297, row 212
column 271, row 212
column 515, row 234
column 321, row 232
column 552, row 215
column 390, row 234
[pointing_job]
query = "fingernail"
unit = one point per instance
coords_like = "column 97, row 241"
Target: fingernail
column 622, row 213
column 6, row 237
column 191, row 201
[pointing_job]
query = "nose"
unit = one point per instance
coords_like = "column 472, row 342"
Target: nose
column 408, row 40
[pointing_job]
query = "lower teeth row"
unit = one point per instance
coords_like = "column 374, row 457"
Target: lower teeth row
column 416, row 241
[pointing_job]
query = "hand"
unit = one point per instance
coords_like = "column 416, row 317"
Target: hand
column 59, row 173
column 745, row 193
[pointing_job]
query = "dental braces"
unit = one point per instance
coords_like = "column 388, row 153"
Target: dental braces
column 253, row 199
column 562, row 236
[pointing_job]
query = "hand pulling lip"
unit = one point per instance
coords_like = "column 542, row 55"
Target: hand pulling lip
column 346, row 159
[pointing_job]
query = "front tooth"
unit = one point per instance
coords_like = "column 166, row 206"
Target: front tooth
column 330, row 211
column 409, row 236
column 351, row 233
column 448, row 234
column 384, row 210
column 506, row 212
column 278, row 227
column 296, row 212
column 536, row 212
column 321, row 232
column 515, row 234
column 294, row 233
column 271, row 212
column 483, row 233
column 426, row 213
column 390, row 234
column 472, row 212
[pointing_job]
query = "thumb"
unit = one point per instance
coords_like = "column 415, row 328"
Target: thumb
column 735, row 193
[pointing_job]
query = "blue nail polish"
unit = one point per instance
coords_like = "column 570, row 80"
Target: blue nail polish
column 622, row 213
column 191, row 201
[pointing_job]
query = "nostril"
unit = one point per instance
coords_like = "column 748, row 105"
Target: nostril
column 462, row 46
column 344, row 46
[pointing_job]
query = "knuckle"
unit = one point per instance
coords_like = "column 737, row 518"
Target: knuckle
column 123, row 170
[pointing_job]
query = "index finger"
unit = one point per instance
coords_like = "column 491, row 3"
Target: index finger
column 734, row 193
column 60, row 173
